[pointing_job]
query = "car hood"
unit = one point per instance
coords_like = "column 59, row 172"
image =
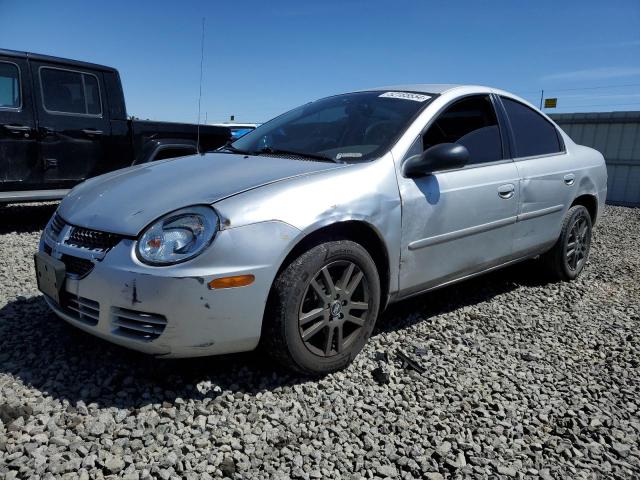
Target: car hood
column 126, row 201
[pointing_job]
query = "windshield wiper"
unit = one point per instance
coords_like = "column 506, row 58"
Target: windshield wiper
column 279, row 151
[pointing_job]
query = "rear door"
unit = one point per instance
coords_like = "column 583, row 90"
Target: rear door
column 72, row 120
column 18, row 143
column 547, row 177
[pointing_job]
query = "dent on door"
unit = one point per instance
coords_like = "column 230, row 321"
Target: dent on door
column 544, row 199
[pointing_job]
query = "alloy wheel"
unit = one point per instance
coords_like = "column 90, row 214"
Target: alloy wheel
column 577, row 243
column 334, row 308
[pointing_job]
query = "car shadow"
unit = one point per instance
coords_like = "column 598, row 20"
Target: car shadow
column 45, row 353
column 476, row 290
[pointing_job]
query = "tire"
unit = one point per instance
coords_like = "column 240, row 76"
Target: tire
column 560, row 261
column 303, row 304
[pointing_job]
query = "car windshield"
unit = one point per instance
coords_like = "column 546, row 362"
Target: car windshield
column 345, row 128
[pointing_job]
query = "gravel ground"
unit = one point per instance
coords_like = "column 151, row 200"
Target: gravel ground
column 522, row 378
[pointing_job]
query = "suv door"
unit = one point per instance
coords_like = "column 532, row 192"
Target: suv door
column 458, row 222
column 547, row 177
column 18, row 142
column 72, row 120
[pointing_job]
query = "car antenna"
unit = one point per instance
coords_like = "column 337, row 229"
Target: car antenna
column 200, row 93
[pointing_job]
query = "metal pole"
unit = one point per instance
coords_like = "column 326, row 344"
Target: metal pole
column 200, row 92
column 541, row 98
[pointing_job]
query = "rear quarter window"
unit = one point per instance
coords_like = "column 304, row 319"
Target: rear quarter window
column 533, row 134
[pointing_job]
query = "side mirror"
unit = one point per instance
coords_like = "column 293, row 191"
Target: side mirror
column 444, row 156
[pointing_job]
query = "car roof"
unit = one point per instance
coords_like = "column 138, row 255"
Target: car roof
column 58, row 60
column 418, row 87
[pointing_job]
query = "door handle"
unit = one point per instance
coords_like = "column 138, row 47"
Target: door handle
column 506, row 191
column 92, row 132
column 50, row 163
column 17, row 128
column 569, row 179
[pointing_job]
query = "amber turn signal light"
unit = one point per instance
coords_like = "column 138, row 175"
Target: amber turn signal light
column 232, row 282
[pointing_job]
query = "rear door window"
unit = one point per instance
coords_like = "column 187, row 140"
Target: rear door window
column 10, row 94
column 70, row 92
column 533, row 134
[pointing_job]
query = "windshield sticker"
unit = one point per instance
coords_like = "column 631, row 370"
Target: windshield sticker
column 416, row 97
column 348, row 155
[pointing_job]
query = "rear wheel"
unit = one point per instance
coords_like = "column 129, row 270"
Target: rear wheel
column 569, row 255
column 323, row 308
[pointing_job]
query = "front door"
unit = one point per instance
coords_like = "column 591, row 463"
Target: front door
column 458, row 222
column 19, row 169
column 73, row 123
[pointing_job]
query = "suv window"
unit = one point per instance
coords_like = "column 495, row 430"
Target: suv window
column 9, row 86
column 471, row 122
column 533, row 134
column 64, row 91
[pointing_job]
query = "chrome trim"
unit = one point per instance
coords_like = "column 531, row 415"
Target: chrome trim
column 56, row 112
column 19, row 107
column 544, row 155
column 465, row 232
column 539, row 213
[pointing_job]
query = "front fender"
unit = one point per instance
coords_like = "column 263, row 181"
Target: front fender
column 365, row 193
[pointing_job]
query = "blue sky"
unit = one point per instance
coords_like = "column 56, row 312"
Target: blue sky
column 264, row 57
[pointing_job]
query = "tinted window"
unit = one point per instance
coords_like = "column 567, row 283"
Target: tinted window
column 92, row 94
column 9, row 86
column 534, row 135
column 351, row 127
column 64, row 91
column 471, row 122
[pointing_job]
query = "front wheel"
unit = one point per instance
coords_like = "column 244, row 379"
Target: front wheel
column 569, row 255
column 322, row 308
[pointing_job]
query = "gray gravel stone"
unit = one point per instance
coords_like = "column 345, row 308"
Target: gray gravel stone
column 523, row 378
column 114, row 464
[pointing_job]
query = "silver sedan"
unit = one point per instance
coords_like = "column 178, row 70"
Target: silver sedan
column 297, row 235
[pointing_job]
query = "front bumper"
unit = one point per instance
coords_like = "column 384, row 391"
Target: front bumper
column 171, row 311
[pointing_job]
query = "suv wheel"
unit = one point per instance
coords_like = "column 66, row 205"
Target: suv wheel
column 323, row 308
column 569, row 255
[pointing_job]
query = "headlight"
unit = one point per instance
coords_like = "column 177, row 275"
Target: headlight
column 178, row 236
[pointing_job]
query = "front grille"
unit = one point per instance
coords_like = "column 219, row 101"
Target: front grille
column 77, row 266
column 92, row 239
column 56, row 226
column 82, row 309
column 136, row 325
